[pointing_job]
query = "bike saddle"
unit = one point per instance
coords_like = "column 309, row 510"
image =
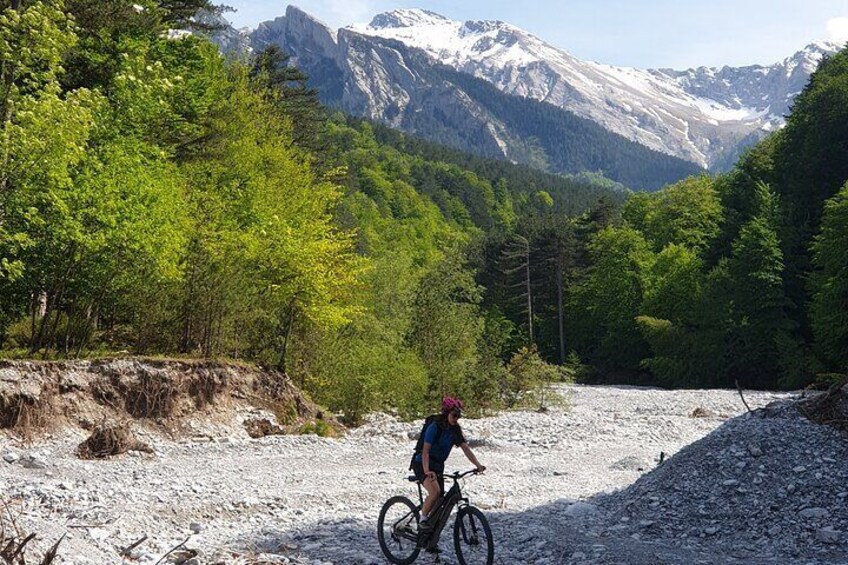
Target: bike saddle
column 412, row 479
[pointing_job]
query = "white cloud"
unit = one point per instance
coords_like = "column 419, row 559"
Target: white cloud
column 837, row 29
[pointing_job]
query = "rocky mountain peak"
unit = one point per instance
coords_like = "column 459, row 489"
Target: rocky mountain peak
column 809, row 57
column 412, row 17
column 822, row 47
column 482, row 26
column 304, row 37
column 300, row 20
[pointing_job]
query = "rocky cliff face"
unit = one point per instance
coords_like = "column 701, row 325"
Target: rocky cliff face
column 375, row 78
column 386, row 80
column 309, row 41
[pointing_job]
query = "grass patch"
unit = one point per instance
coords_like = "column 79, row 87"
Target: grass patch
column 319, row 428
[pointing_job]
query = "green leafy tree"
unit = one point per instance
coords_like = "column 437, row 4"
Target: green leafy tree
column 527, row 378
column 679, row 321
column 738, row 193
column 687, row 213
column 447, row 326
column 811, row 165
column 264, row 258
column 673, row 285
column 603, row 307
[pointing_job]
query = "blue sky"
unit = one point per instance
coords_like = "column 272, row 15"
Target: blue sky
column 640, row 33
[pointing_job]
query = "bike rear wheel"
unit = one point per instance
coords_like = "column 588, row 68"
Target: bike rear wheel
column 397, row 530
column 472, row 538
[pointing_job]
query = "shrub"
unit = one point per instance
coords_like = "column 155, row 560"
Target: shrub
column 528, row 379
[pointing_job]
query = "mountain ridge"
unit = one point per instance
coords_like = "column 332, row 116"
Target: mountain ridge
column 706, row 116
column 683, row 113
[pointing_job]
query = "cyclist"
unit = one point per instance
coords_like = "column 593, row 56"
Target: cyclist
column 439, row 439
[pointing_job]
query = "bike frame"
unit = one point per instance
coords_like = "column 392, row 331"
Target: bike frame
column 441, row 513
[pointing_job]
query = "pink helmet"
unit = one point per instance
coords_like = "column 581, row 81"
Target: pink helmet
column 451, row 403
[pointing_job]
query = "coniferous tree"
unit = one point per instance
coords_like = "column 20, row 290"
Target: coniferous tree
column 291, row 95
column 762, row 331
column 829, row 310
column 516, row 260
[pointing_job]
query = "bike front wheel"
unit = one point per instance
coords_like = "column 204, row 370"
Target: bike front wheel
column 397, row 530
column 472, row 538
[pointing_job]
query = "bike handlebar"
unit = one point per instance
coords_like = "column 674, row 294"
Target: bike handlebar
column 457, row 475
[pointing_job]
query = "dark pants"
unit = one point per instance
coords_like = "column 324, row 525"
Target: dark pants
column 436, row 467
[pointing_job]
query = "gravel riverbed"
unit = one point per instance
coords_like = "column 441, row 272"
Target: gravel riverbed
column 553, row 492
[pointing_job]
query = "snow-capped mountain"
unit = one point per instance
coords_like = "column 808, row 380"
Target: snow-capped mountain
column 701, row 114
column 490, row 88
column 388, row 81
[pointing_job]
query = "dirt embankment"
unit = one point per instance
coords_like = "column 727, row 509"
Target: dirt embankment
column 38, row 396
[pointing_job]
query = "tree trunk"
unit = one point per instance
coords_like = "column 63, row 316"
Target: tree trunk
column 52, row 339
column 529, row 296
column 54, row 297
column 281, row 364
column 33, row 308
column 7, row 78
column 35, row 338
column 559, row 311
column 187, row 329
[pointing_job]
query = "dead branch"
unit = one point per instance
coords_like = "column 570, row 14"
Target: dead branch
column 173, row 549
column 833, row 390
column 14, row 552
column 126, row 551
column 824, row 408
column 7, row 551
column 742, row 396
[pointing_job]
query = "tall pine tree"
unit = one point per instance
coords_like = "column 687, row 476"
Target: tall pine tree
column 829, row 310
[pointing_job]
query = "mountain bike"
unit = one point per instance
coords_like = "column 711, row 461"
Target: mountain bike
column 397, row 527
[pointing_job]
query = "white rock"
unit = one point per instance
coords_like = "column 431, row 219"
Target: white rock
column 581, row 510
column 33, row 461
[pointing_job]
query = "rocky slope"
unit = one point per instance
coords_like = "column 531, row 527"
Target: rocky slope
column 769, row 487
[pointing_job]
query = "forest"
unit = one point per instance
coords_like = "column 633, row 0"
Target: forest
column 158, row 198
